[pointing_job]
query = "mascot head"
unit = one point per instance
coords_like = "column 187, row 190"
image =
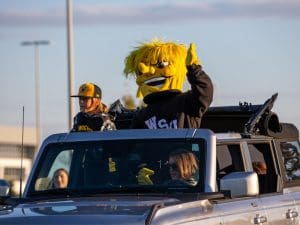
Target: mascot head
column 157, row 66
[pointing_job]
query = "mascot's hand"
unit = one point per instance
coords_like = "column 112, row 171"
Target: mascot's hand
column 144, row 176
column 192, row 57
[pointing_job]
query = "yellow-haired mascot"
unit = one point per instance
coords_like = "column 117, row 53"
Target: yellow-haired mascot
column 160, row 69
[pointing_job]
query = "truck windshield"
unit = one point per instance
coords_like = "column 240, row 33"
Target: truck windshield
column 121, row 165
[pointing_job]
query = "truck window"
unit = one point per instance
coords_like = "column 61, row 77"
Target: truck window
column 62, row 161
column 229, row 159
column 263, row 165
column 105, row 165
column 290, row 152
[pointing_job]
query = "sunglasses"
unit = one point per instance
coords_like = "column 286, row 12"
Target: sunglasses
column 173, row 166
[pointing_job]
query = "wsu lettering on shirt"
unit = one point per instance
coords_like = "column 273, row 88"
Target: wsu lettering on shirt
column 153, row 123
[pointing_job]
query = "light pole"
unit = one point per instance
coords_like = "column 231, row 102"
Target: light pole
column 36, row 44
column 70, row 61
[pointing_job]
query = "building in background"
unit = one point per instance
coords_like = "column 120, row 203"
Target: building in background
column 10, row 154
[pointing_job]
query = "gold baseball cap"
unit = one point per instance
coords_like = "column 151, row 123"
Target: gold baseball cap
column 89, row 90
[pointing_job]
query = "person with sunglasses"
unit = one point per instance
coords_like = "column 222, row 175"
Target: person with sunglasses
column 183, row 168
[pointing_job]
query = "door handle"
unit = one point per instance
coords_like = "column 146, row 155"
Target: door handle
column 258, row 219
column 290, row 214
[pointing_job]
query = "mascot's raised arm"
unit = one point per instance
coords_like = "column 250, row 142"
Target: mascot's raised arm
column 160, row 69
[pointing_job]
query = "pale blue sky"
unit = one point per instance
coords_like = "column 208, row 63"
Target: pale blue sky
column 251, row 50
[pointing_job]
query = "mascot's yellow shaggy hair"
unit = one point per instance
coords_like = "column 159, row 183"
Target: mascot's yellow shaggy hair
column 157, row 66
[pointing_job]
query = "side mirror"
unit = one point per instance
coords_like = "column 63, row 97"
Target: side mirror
column 240, row 184
column 4, row 188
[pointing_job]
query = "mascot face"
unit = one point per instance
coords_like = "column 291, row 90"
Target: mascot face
column 157, row 66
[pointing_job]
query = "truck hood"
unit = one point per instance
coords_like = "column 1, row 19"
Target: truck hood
column 92, row 210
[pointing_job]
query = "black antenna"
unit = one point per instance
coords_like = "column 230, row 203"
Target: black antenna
column 22, row 148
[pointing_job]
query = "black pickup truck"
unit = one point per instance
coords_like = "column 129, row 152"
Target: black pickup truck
column 248, row 173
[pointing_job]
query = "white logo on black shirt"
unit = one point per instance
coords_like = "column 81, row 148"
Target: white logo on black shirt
column 152, row 123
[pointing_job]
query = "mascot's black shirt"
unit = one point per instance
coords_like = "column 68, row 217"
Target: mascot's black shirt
column 173, row 109
column 87, row 122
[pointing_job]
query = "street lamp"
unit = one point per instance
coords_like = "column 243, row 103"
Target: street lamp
column 36, row 44
column 70, row 61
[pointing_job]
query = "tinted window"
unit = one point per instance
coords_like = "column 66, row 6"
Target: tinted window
column 263, row 165
column 111, row 164
column 229, row 159
column 62, row 161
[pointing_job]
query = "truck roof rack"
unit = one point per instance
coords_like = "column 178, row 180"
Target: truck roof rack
column 245, row 118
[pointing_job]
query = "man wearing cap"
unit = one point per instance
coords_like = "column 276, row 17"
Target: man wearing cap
column 93, row 113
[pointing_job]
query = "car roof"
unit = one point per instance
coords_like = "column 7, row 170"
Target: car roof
column 129, row 134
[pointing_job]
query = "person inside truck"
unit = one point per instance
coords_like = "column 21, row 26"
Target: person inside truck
column 60, row 178
column 260, row 168
column 93, row 115
column 183, row 168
